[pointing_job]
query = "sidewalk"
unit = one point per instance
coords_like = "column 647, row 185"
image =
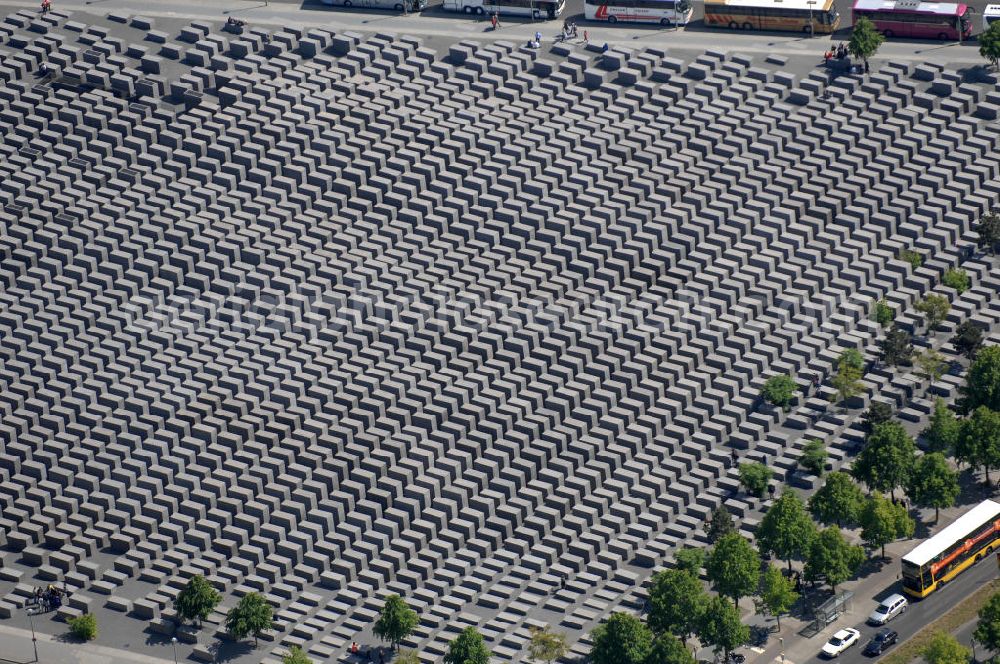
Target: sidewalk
column 15, row 646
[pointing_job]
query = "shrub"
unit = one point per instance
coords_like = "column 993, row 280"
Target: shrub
column 913, row 258
column 957, row 279
column 83, row 627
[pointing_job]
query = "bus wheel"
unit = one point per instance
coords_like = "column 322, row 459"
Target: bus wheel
column 733, row 25
column 536, row 15
column 398, row 7
column 612, row 19
column 888, row 33
column 665, row 22
column 479, row 10
column 748, row 26
column 348, row 3
column 942, row 36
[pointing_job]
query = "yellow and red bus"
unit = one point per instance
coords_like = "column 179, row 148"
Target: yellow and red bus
column 938, row 560
column 786, row 15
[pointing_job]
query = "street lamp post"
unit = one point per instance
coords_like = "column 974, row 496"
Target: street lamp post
column 173, row 642
column 812, row 28
column 34, row 641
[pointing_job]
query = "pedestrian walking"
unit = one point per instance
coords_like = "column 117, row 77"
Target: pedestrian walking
column 46, row 6
column 495, row 20
column 586, row 37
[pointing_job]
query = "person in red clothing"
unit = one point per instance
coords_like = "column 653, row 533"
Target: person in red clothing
column 354, row 648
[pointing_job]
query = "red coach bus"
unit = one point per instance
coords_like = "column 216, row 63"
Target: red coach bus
column 912, row 18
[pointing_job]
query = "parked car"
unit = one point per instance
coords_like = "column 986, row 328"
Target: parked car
column 883, row 638
column 841, row 641
column 891, row 606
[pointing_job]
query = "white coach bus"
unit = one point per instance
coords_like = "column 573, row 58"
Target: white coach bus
column 398, row 5
column 539, row 9
column 664, row 12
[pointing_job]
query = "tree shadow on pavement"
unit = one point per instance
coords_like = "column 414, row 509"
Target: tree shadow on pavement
column 230, row 650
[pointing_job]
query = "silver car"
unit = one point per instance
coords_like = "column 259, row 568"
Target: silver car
column 891, row 606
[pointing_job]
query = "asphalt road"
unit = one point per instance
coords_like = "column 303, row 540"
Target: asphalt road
column 918, row 614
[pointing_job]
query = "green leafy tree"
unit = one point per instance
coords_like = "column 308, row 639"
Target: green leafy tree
column 196, row 600
column 720, row 524
column 989, row 46
column 690, row 559
column 883, row 521
column 832, row 558
column 469, row 648
column 407, row 657
column 877, row 413
column 813, row 457
column 968, row 339
column 933, row 483
column 958, row 279
column 988, row 230
column 668, row 649
column 883, row 314
column 295, row 655
column 754, row 477
column 896, row 347
column 83, row 627
column 777, row 593
column 546, row 645
column 931, row 365
column 251, row 616
column 982, row 382
column 676, row 599
column 943, row 429
column 979, row 440
column 720, row 627
column 988, row 628
column 908, row 255
column 786, row 530
column 396, row 621
column 734, row 567
column 851, row 358
column 623, row 639
column 943, row 648
column 846, row 384
column 839, row 501
column 779, row 390
column 935, row 309
column 887, row 459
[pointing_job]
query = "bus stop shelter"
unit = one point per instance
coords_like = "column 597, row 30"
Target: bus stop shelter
column 829, row 611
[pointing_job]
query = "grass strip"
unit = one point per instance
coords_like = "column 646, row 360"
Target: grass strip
column 960, row 614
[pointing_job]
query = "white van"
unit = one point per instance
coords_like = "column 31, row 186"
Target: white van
column 990, row 14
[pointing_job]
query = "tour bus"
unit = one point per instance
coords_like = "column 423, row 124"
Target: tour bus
column 990, row 15
column 664, row 12
column 537, row 9
column 793, row 15
column 912, row 18
column 941, row 558
column 398, row 5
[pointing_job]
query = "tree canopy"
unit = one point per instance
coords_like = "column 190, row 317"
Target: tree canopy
column 838, row 501
column 883, row 314
column 690, row 559
column 877, row 413
column 754, row 477
column 720, row 627
column 935, row 309
column 545, row 645
column 982, row 382
column 251, row 616
column 786, row 529
column 933, row 483
column 778, row 390
column 83, row 627
column 958, row 279
column 623, row 639
column 979, row 440
column 865, row 39
column 777, row 593
column 676, row 599
column 721, row 523
column 667, row 649
column 733, row 567
column 883, row 521
column 197, row 599
column 832, row 558
column 931, row 364
column 296, row 655
column 943, row 648
column 988, row 230
column 470, row 648
column 396, row 621
column 887, row 459
column 896, row 347
column 814, row 457
column 943, row 429
column 988, row 628
column 968, row 339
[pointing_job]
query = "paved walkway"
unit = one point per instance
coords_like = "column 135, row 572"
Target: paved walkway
column 15, row 646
